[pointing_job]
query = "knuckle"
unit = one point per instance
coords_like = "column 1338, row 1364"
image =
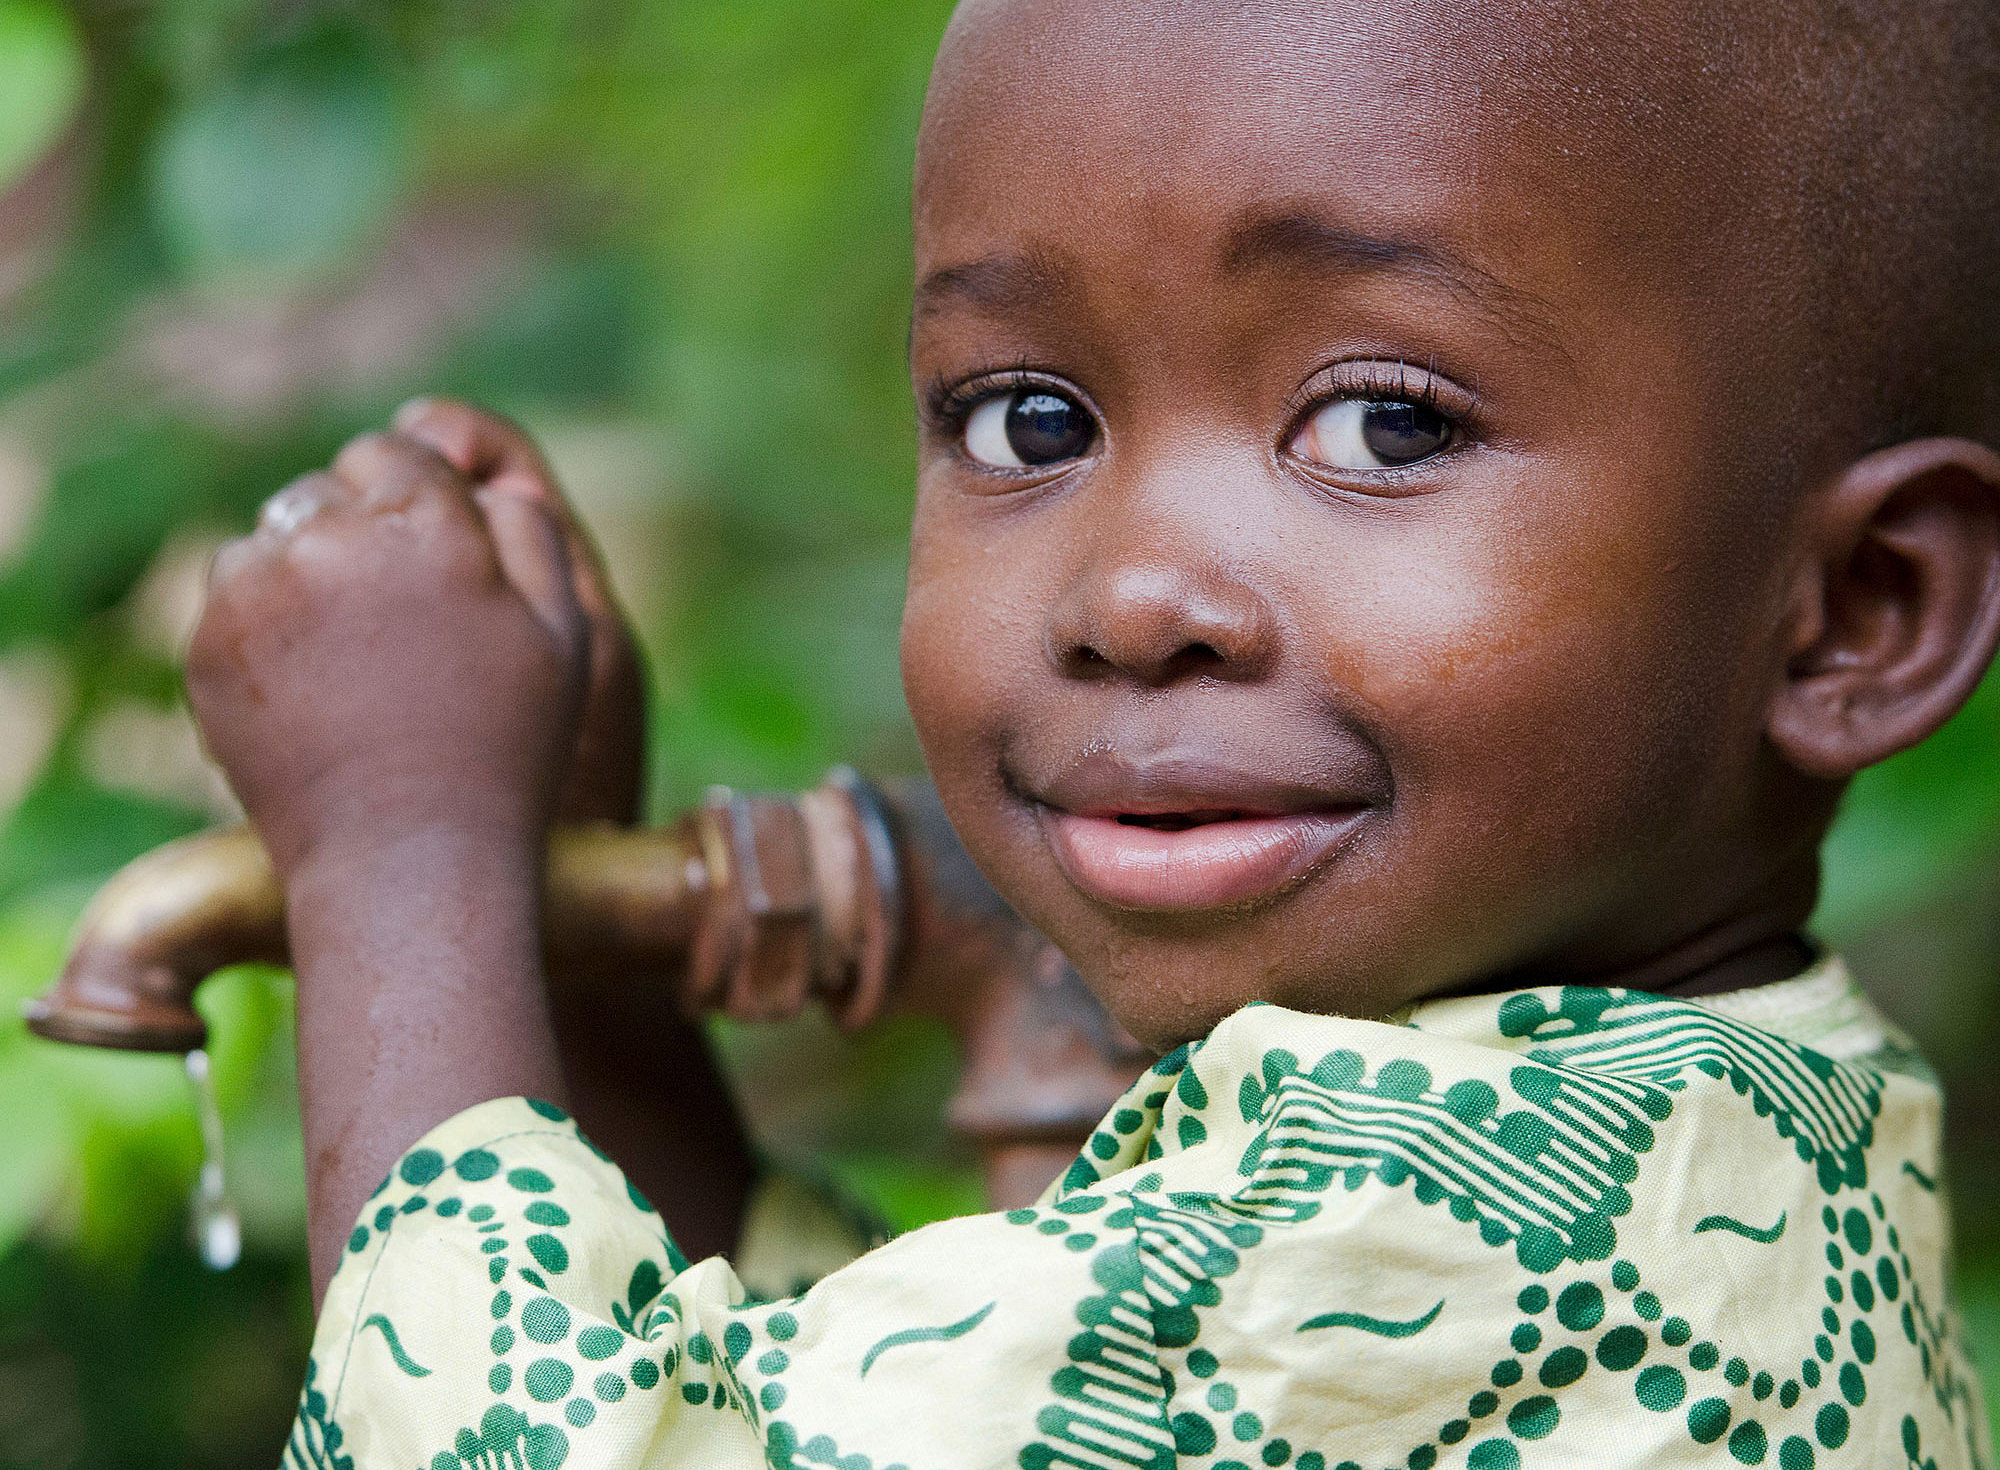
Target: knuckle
column 363, row 452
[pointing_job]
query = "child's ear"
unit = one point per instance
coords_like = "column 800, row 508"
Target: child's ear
column 1897, row 609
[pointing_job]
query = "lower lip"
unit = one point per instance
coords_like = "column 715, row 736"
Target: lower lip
column 1211, row 866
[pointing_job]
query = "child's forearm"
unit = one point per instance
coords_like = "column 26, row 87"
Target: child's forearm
column 420, row 994
column 645, row 1089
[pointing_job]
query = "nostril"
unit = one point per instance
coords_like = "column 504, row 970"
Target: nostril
column 1202, row 653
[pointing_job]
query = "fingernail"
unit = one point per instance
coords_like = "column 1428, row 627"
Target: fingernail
column 416, row 408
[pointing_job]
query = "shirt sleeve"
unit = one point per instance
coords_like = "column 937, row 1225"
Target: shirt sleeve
column 508, row 1302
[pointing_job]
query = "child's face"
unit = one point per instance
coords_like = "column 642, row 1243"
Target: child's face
column 1345, row 560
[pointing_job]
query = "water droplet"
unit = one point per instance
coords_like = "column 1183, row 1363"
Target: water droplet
column 214, row 1228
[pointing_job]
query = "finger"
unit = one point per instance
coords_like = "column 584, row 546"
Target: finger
column 388, row 471
column 484, row 447
column 535, row 560
column 230, row 560
column 494, row 451
column 299, row 502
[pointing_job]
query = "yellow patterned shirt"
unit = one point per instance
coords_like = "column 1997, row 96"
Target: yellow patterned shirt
column 1559, row 1227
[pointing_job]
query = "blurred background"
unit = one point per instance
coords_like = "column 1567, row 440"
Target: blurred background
column 671, row 238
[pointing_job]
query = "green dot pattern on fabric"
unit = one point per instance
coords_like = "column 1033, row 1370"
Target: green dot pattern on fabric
column 1571, row 1354
column 545, row 1320
column 549, row 1253
column 1621, row 1348
column 1563, row 1367
column 476, row 1165
column 548, row 1110
column 1862, row 1336
column 548, row 1379
column 1708, row 1420
column 736, row 1341
column 1581, row 1306
column 1534, row 1418
column 358, row 1241
column 1493, row 1454
column 1660, row 1388
column 500, row 1378
column 1747, row 1443
column 1193, row 1434
column 421, row 1167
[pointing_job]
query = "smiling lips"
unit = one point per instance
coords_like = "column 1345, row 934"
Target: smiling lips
column 1180, row 833
column 1192, row 860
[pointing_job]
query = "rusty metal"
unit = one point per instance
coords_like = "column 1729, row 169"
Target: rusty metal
column 754, row 906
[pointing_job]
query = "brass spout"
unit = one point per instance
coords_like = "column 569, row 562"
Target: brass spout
column 757, row 903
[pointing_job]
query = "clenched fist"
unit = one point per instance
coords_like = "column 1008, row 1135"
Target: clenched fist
column 417, row 636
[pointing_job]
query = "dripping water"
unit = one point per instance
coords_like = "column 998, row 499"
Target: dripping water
column 213, row 1227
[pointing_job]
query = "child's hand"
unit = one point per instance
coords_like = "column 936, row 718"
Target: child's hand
column 394, row 651
column 608, row 776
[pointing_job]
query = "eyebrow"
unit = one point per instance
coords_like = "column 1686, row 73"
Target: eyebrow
column 994, row 282
column 1301, row 239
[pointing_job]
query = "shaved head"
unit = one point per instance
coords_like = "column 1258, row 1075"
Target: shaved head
column 1820, row 178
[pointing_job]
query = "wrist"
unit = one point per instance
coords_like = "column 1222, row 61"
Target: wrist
column 484, row 874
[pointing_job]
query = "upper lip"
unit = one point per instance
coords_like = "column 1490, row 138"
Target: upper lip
column 1108, row 782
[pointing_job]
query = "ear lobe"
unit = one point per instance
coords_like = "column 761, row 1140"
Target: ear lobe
column 1901, row 605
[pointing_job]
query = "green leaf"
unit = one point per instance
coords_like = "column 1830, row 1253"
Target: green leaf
column 42, row 73
column 288, row 169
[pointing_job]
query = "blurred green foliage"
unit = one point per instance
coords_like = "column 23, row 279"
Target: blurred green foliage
column 671, row 237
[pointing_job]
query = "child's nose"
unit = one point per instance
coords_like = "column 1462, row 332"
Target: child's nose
column 1158, row 624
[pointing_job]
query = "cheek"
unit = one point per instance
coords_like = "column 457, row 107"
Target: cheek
column 1554, row 675
column 968, row 635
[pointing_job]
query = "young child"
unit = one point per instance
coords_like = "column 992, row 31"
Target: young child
column 1421, row 510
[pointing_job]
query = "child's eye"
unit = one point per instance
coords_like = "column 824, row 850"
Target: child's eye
column 1368, row 434
column 1031, row 427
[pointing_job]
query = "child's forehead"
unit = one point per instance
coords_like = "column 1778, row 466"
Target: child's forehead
column 1164, row 143
column 1098, row 126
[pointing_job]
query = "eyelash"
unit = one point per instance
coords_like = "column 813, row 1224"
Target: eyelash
column 1375, row 382
column 948, row 404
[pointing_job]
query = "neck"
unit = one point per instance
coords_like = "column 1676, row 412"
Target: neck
column 1760, row 941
